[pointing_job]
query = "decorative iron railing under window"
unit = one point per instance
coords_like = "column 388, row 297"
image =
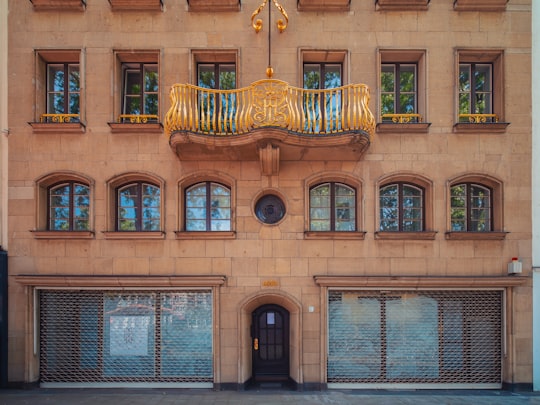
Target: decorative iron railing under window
column 269, row 103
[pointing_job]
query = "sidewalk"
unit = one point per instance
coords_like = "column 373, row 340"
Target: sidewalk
column 209, row 397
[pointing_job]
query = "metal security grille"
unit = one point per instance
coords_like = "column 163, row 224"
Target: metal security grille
column 414, row 337
column 126, row 337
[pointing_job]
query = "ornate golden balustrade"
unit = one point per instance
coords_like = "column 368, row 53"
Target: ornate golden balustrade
column 402, row 118
column 59, row 118
column 269, row 103
column 478, row 118
column 137, row 118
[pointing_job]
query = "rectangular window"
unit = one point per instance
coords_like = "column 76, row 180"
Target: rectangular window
column 402, row 94
column 479, row 90
column 475, row 90
column 59, row 80
column 137, row 88
column 140, row 91
column 398, row 90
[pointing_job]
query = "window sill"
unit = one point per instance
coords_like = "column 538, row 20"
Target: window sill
column 402, row 5
column 214, row 5
column 59, row 5
column 417, row 127
column 476, row 235
column 136, row 5
column 134, row 235
column 324, row 5
column 205, row 235
column 58, row 128
column 425, row 235
column 490, row 127
column 480, row 5
column 334, row 235
column 128, row 128
column 63, row 234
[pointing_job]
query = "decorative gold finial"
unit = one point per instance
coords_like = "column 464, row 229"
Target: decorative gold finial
column 258, row 24
column 269, row 72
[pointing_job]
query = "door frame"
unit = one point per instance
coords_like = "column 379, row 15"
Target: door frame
column 246, row 308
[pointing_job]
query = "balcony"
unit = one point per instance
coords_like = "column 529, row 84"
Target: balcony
column 271, row 121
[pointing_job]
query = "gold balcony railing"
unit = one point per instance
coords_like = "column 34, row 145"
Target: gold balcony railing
column 59, row 118
column 137, row 118
column 402, row 118
column 478, row 118
column 269, row 103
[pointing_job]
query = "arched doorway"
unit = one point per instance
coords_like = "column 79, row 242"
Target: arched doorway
column 270, row 348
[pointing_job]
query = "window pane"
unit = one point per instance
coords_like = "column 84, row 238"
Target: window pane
column 206, row 76
column 312, row 76
column 151, row 78
column 407, row 78
column 151, row 104
column 74, row 78
column 132, row 105
column 345, row 205
column 320, row 208
column 55, row 103
column 388, row 205
column 133, row 82
column 407, row 103
column 482, row 78
column 332, row 76
column 55, row 77
column 464, row 78
column 387, row 104
column 227, row 77
column 388, row 78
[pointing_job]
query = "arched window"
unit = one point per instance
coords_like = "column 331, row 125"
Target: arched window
column 332, row 207
column 471, row 208
column 138, row 207
column 68, row 207
column 207, row 207
column 401, row 208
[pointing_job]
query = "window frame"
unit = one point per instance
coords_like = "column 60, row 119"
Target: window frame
column 333, row 206
column 401, row 185
column 66, row 92
column 495, row 57
column 71, row 205
column 472, row 102
column 42, row 187
column 140, row 68
column 353, row 182
column 401, row 122
column 468, row 220
column 135, row 123
column 497, row 209
column 139, row 197
column 65, row 123
column 416, row 180
column 125, row 179
column 199, row 177
column 208, row 206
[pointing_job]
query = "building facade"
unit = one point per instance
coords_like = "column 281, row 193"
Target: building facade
column 318, row 193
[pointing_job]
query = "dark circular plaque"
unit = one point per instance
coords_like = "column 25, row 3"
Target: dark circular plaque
column 270, row 209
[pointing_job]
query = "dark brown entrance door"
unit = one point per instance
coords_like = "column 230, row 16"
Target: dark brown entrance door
column 270, row 343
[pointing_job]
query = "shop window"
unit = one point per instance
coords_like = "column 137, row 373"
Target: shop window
column 405, row 208
column 58, row 92
column 480, row 89
column 402, row 91
column 64, row 206
column 136, row 208
column 475, row 208
column 137, row 104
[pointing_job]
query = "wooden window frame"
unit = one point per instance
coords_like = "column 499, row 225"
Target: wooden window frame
column 43, row 58
column 111, row 214
column 415, row 180
column 42, row 187
column 332, row 197
column 417, row 57
column 495, row 57
column 497, row 210
column 208, row 205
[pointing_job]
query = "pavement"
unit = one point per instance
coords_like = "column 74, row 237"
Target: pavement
column 57, row 396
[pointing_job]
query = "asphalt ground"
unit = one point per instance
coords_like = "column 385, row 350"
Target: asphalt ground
column 38, row 396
